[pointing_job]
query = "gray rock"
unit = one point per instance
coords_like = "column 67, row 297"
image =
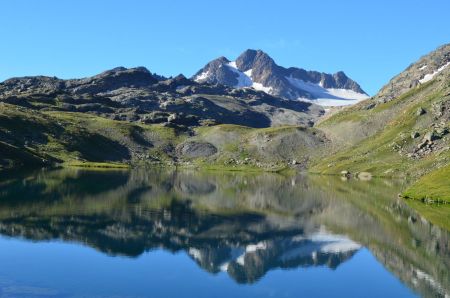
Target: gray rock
column 196, row 149
column 422, row 144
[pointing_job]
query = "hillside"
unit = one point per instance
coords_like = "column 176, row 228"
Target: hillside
column 402, row 132
column 30, row 137
column 129, row 116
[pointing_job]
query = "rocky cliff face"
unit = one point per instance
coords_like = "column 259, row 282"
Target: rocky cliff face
column 257, row 70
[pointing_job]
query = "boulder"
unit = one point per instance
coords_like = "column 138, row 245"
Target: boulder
column 196, row 149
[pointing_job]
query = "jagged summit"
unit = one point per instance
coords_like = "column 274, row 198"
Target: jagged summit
column 256, row 69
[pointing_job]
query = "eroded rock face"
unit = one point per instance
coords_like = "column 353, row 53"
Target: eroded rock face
column 196, row 149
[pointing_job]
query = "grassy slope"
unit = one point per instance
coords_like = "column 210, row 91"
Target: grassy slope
column 86, row 140
column 273, row 146
column 435, row 186
column 12, row 156
column 78, row 138
column 390, row 124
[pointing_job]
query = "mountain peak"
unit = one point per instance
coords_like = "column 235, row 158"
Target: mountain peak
column 118, row 71
column 249, row 58
column 256, row 69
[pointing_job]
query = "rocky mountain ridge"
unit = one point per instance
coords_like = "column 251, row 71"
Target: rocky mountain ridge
column 418, row 73
column 255, row 69
column 136, row 94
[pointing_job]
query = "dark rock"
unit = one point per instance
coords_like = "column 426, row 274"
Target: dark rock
column 420, row 111
column 431, row 136
column 112, row 79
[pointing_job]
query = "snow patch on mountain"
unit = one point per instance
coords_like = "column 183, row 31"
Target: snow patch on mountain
column 326, row 102
column 428, row 77
column 243, row 79
column 202, row 77
column 261, row 87
column 318, row 94
column 327, row 97
column 347, row 94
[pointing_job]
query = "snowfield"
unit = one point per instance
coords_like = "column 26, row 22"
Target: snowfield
column 201, row 77
column 430, row 76
column 327, row 97
column 243, row 79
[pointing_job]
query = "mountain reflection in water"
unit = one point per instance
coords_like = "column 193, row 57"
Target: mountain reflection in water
column 243, row 224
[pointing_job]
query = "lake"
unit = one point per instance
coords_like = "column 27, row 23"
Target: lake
column 153, row 232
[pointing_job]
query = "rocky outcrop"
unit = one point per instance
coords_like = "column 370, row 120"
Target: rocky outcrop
column 196, row 149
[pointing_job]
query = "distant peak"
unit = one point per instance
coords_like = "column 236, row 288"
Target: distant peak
column 115, row 69
column 121, row 69
column 180, row 77
column 253, row 54
column 222, row 59
column 250, row 57
column 340, row 74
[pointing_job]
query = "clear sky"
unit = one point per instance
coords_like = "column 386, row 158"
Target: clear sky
column 370, row 40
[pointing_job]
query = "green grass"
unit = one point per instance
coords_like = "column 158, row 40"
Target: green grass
column 86, row 140
column 375, row 153
column 434, row 186
column 78, row 138
column 99, row 165
column 238, row 168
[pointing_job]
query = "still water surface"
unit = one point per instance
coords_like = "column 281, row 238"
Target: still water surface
column 161, row 233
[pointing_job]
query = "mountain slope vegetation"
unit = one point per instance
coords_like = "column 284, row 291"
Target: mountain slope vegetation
column 403, row 131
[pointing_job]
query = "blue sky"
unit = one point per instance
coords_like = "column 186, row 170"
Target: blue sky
column 370, row 40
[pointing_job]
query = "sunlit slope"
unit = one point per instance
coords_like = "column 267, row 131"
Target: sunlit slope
column 29, row 137
column 403, row 136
